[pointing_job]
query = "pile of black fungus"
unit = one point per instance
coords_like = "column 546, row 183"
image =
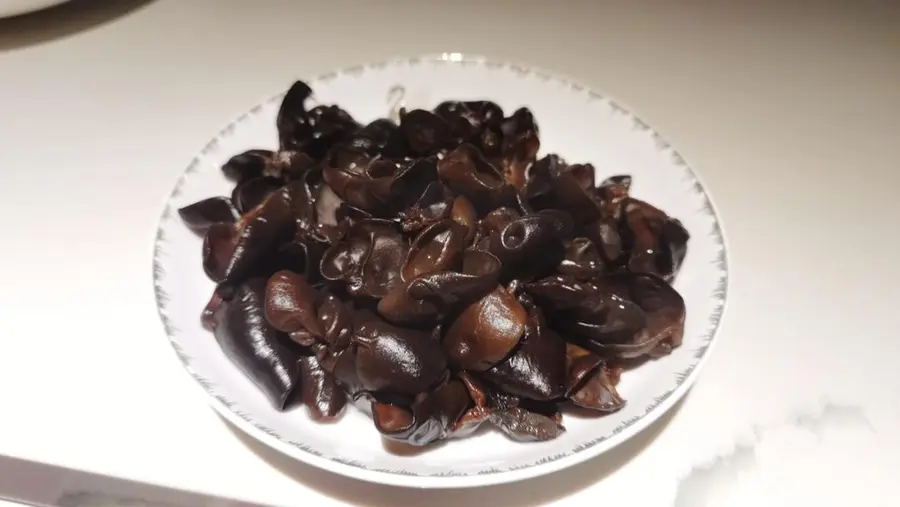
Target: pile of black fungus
column 437, row 269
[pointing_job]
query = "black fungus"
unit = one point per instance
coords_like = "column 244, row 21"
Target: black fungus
column 436, row 268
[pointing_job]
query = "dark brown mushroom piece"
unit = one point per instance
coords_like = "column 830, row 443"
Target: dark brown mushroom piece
column 399, row 360
column 579, row 363
column 486, row 331
column 584, row 175
column 524, row 425
column 293, row 121
column 380, row 137
column 438, row 247
column 433, row 205
column 327, row 204
column 549, row 409
column 673, row 248
column 299, row 256
column 533, row 244
column 423, row 298
column 341, row 364
column 247, row 165
column 598, row 391
column 336, row 321
column 529, row 234
column 392, row 420
column 347, row 173
column 400, row 307
column 368, row 259
column 331, row 126
column 582, row 261
column 607, row 236
column 478, row 413
column 321, row 394
column 591, row 382
column 493, row 223
column 381, row 268
column 466, row 172
column 425, row 132
column 657, row 243
column 521, row 419
column 303, row 193
column 601, row 321
column 290, row 165
column 538, row 189
column 257, row 348
column 312, row 131
column 537, row 369
column 438, row 412
column 232, row 251
column 663, row 307
column 606, row 230
column 202, row 215
column 433, row 415
column 208, row 315
column 479, row 275
column 626, row 316
column 463, row 213
column 520, row 146
column 613, row 192
column 642, row 225
column 478, row 122
column 250, row 193
column 303, row 338
column 573, row 189
column 411, row 179
column 561, row 292
column 351, row 214
column 291, row 304
column 607, row 324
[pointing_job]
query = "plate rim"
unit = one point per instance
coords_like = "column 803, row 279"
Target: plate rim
column 404, row 478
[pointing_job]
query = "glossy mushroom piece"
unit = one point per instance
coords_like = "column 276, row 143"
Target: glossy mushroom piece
column 520, row 145
column 312, row 131
column 367, row 259
column 320, row 392
column 399, row 360
column 591, row 383
column 658, row 243
column 601, row 321
column 537, row 369
column 661, row 303
column 202, row 215
column 465, row 171
column 530, row 245
column 486, row 331
column 291, row 305
column 231, row 252
column 247, row 165
column 431, row 417
column 257, row 348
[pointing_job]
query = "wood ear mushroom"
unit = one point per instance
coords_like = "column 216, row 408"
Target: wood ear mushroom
column 436, row 268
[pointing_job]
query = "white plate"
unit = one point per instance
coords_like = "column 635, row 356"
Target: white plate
column 15, row 7
column 575, row 122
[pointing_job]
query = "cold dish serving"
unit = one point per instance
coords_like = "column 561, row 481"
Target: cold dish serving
column 436, row 270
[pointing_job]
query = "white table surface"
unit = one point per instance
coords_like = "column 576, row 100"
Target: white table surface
column 791, row 112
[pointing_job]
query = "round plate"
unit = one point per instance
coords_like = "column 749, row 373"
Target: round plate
column 580, row 125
